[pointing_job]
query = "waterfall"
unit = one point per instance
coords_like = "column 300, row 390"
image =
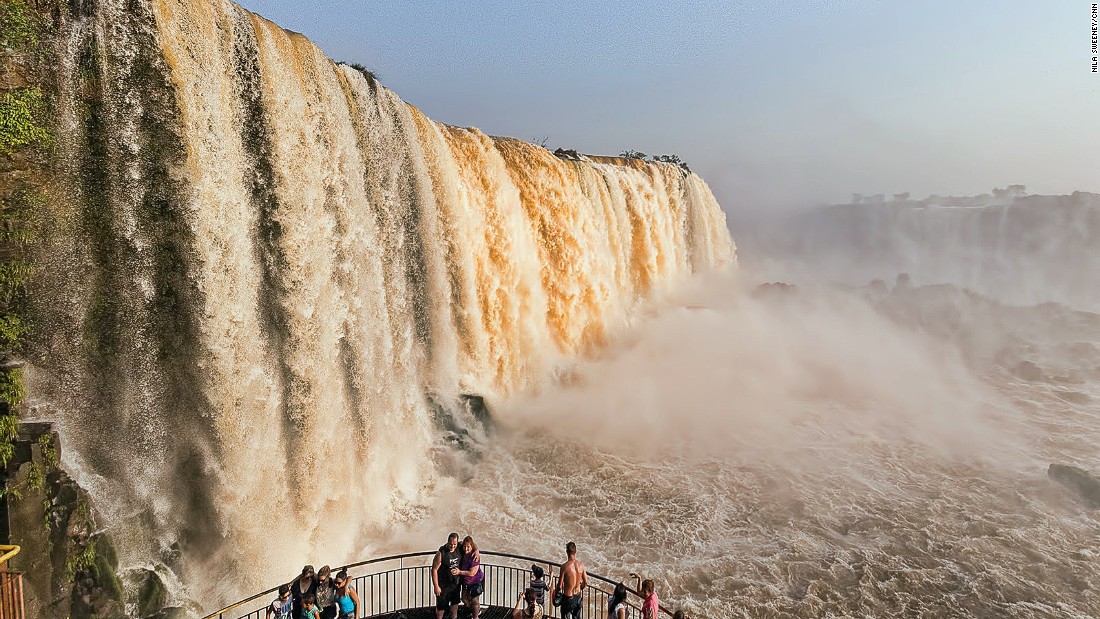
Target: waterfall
column 265, row 266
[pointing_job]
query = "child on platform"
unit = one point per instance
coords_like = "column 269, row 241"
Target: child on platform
column 309, row 607
column 539, row 584
column 280, row 607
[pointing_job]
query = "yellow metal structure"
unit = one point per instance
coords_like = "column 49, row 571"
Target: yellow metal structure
column 11, row 585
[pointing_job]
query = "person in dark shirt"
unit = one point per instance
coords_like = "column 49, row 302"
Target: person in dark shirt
column 301, row 587
column 539, row 584
column 445, row 584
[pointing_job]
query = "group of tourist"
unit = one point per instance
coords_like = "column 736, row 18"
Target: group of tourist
column 317, row 595
column 457, row 578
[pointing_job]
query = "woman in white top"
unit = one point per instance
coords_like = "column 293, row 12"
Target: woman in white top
column 616, row 605
column 531, row 609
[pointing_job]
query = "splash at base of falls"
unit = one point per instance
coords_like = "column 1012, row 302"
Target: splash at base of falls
column 814, row 453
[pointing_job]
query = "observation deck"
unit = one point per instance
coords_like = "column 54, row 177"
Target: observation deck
column 400, row 586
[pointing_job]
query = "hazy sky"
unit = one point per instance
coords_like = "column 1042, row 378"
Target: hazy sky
column 773, row 103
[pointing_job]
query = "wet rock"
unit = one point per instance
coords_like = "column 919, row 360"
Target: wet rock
column 97, row 590
column 152, row 594
column 171, row 555
column 52, row 518
column 568, row 155
column 465, row 423
column 446, row 422
column 1077, row 479
column 477, row 407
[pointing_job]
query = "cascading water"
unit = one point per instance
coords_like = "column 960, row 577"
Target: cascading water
column 265, row 262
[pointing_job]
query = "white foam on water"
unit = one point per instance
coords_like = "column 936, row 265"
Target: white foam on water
column 800, row 453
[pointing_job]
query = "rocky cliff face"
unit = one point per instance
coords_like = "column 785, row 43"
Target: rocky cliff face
column 69, row 565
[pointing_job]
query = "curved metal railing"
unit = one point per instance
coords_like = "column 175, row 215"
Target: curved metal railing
column 9, row 552
column 403, row 582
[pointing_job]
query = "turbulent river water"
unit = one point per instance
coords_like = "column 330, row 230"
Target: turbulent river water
column 815, row 453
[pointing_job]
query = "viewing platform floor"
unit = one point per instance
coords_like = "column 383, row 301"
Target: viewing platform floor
column 486, row 612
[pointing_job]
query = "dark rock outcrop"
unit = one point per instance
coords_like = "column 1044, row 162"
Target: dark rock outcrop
column 568, row 155
column 465, row 423
column 71, row 565
column 475, row 404
column 1079, row 480
column 152, row 595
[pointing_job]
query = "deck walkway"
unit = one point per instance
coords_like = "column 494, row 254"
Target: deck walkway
column 487, row 612
column 386, row 584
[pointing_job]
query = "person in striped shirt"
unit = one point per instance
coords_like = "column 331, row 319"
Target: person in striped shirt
column 539, row 584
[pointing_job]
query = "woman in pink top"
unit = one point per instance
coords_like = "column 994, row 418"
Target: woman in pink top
column 650, row 605
column 473, row 577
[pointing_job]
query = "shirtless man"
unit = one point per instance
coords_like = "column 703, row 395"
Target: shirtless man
column 571, row 584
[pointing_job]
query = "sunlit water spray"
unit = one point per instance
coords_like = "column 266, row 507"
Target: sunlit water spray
column 811, row 453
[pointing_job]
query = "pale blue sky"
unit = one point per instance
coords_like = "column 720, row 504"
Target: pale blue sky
column 774, row 103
